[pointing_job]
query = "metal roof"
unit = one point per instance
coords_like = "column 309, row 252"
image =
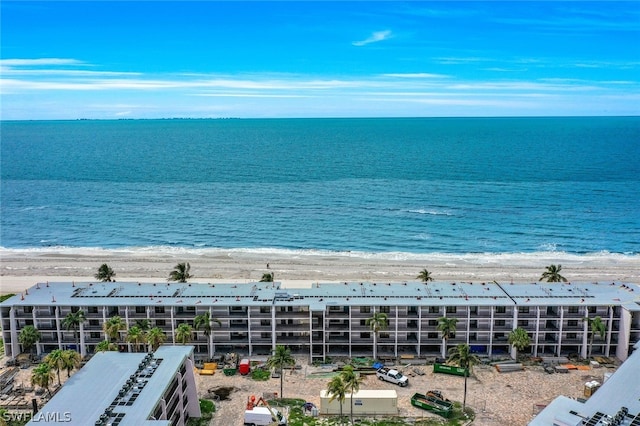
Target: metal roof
column 321, row 295
column 98, row 385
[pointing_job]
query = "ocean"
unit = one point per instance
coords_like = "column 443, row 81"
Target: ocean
column 384, row 187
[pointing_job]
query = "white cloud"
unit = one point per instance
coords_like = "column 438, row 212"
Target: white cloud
column 374, row 38
column 39, row 62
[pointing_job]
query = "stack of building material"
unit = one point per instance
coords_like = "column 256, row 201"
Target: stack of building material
column 509, row 367
column 561, row 369
column 555, row 360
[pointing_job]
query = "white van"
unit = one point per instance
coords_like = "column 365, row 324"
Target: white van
column 263, row 416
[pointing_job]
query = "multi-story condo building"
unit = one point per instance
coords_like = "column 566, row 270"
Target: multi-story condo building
column 330, row 319
column 127, row 389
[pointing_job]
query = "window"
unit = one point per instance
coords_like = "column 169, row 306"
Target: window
column 500, row 323
column 432, row 335
column 265, row 335
column 27, row 309
column 94, row 335
column 523, row 310
column 572, row 335
column 473, row 324
column 75, row 309
column 159, row 309
column 501, row 309
column 384, row 335
column 473, row 336
column 264, row 309
column 433, row 323
column 365, row 309
column 523, row 323
column 365, row 335
column 451, row 309
column 473, row 310
column 140, row 309
column 265, row 322
column 412, row 310
column 385, row 309
column 573, row 309
column 434, row 309
column 161, row 323
column 572, row 323
column 92, row 309
column 94, row 323
column 592, row 309
column 363, row 323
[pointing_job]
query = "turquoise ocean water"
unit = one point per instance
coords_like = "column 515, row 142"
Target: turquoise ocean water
column 457, row 185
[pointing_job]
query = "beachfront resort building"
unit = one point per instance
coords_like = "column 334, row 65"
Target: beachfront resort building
column 615, row 403
column 330, row 319
column 127, row 389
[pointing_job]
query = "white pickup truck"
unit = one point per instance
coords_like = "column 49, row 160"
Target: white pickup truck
column 393, row 376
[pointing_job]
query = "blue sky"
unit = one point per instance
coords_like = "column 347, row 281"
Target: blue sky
column 68, row 60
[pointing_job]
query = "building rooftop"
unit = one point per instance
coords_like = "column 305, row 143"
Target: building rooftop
column 102, row 385
column 622, row 389
column 321, row 295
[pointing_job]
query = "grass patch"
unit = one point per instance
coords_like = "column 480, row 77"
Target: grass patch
column 260, row 374
column 207, row 408
column 6, row 296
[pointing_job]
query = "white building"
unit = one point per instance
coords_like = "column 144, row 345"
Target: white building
column 127, row 389
column 330, row 319
column 617, row 398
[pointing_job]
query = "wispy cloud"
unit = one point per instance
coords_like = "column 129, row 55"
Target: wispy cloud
column 39, row 62
column 416, row 75
column 374, row 38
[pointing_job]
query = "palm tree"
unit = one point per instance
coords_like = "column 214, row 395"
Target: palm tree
column 447, row 327
column 137, row 337
column 28, row 337
column 42, row 376
column 519, row 339
column 105, row 273
column 462, row 357
column 596, row 325
column 155, row 337
column 184, row 332
column 379, row 321
column 338, row 390
column 143, row 324
column 352, row 382
column 70, row 360
column 425, row 276
column 552, row 274
column 55, row 361
column 204, row 321
column 72, row 322
column 266, row 278
column 113, row 326
column 180, row 273
column 280, row 359
column 105, row 346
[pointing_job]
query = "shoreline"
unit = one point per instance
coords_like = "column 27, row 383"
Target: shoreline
column 20, row 269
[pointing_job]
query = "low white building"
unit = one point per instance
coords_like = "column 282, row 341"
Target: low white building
column 365, row 402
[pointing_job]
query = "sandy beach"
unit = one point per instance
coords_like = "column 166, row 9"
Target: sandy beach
column 20, row 269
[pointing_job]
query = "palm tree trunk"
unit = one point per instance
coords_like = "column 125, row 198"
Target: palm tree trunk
column 590, row 345
column 281, row 378
column 351, row 401
column 375, row 345
column 464, row 398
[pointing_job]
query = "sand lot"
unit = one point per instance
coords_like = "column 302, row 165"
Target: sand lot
column 498, row 398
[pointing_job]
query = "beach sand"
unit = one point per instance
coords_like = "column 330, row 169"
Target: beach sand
column 20, row 269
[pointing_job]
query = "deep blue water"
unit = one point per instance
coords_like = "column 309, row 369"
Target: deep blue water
column 458, row 185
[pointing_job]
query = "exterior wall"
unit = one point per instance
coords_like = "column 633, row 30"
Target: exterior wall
column 339, row 329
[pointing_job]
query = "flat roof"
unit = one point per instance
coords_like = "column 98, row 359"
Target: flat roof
column 97, row 385
column 321, row 295
column 366, row 393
